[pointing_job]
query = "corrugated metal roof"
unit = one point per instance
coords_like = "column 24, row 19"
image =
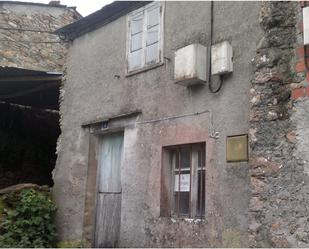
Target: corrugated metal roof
column 29, row 87
column 7, row 72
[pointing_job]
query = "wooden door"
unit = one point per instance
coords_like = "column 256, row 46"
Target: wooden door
column 109, row 191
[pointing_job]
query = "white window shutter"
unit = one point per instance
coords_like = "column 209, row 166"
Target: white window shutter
column 135, row 34
column 137, row 23
column 144, row 37
column 153, row 21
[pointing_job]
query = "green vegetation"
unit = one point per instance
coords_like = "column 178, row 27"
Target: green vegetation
column 27, row 220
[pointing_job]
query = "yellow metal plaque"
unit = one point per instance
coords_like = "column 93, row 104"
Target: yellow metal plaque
column 237, row 148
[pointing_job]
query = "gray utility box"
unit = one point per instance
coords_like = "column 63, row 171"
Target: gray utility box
column 191, row 65
column 221, row 58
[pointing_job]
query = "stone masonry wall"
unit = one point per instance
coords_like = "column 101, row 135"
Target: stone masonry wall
column 33, row 50
column 28, row 135
column 279, row 138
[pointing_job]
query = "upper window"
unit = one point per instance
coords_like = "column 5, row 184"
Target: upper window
column 183, row 181
column 145, row 29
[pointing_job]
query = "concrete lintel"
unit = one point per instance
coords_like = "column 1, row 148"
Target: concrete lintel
column 105, row 119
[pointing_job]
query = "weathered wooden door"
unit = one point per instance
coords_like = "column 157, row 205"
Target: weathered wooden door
column 109, row 191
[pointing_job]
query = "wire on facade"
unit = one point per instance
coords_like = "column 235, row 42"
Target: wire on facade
column 213, row 133
column 32, row 30
column 210, row 82
column 44, row 42
column 172, row 117
column 28, row 30
column 306, row 57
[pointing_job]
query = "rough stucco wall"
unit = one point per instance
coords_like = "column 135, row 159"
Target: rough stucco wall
column 92, row 91
column 156, row 231
column 33, row 50
column 279, row 137
column 73, row 183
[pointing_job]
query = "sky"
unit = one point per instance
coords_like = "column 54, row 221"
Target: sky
column 84, row 7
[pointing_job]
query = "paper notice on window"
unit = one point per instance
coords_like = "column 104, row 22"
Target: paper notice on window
column 184, row 183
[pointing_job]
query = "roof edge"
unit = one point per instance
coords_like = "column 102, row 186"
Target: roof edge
column 99, row 18
column 43, row 5
column 37, row 4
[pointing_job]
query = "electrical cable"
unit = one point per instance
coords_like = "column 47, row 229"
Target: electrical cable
column 31, row 30
column 210, row 82
column 38, row 42
column 28, row 30
column 213, row 133
column 306, row 56
column 172, row 117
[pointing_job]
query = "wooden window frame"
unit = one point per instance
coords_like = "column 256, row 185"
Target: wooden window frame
column 145, row 66
column 170, row 198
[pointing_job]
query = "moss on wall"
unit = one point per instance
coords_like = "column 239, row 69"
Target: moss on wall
column 232, row 237
column 71, row 244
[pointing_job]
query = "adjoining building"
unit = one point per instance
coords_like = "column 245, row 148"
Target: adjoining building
column 31, row 60
column 183, row 125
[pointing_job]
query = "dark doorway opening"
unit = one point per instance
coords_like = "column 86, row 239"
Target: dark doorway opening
column 29, row 126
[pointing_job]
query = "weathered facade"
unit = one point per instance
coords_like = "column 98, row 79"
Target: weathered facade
column 261, row 202
column 31, row 60
column 279, row 131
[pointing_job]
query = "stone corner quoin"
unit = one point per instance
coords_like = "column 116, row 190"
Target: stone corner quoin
column 278, row 132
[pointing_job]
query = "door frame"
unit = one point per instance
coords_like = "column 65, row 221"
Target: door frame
column 116, row 123
column 100, row 138
column 89, row 219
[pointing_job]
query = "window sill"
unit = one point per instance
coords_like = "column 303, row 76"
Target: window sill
column 144, row 69
column 188, row 220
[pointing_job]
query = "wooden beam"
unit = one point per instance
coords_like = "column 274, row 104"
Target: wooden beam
column 29, row 91
column 31, row 78
column 28, row 108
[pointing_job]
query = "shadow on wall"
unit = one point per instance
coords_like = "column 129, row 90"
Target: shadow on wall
column 28, row 140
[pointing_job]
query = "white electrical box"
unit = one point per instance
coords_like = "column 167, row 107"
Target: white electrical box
column 221, row 58
column 306, row 25
column 191, row 65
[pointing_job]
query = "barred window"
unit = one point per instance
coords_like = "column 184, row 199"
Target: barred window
column 184, row 172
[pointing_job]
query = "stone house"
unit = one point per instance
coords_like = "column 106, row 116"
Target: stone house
column 31, row 60
column 168, row 143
